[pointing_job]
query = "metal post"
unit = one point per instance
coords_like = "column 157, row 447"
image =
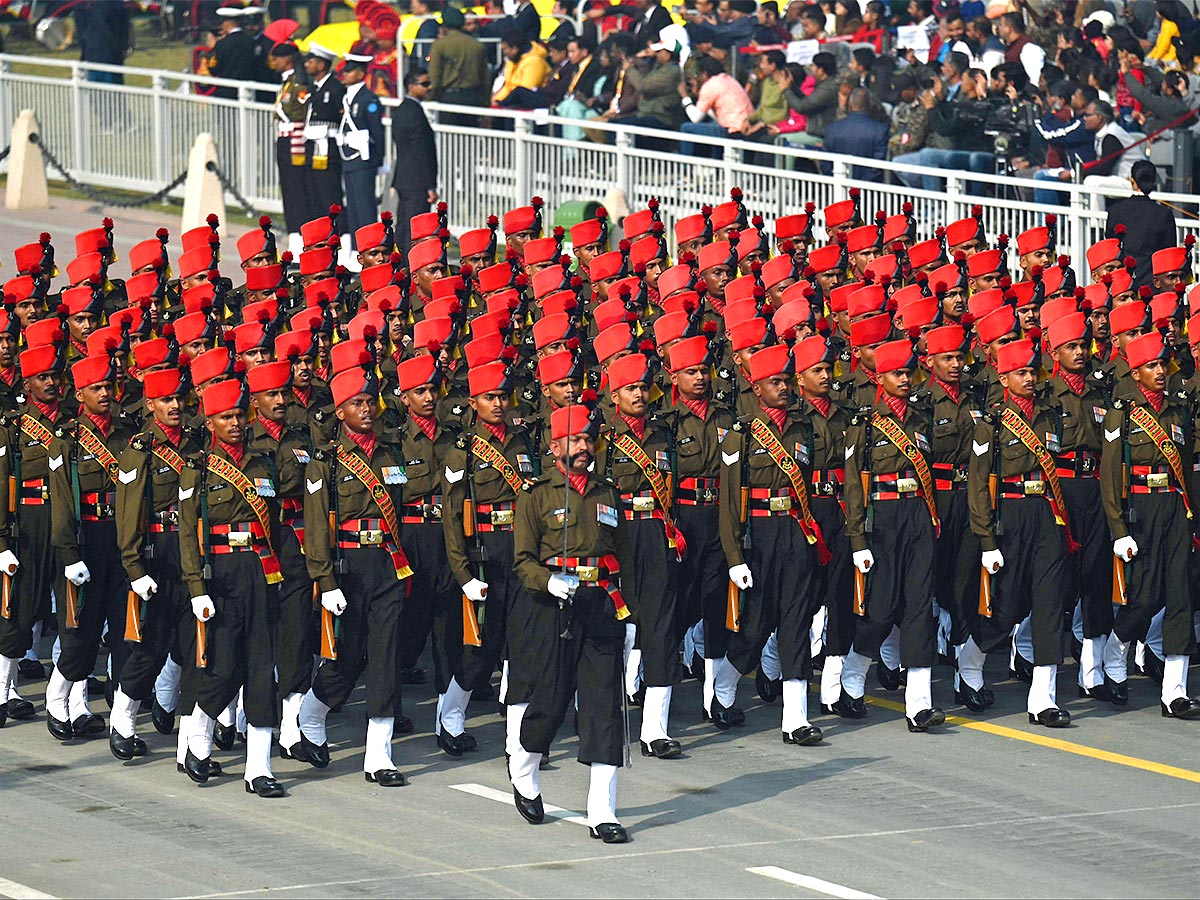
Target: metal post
column 841, row 173
column 730, row 160
column 956, row 188
column 624, row 164
column 246, row 141
column 161, row 175
column 1080, row 238
column 521, row 160
column 82, row 130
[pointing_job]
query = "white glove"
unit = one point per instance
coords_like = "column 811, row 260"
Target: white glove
column 741, row 577
column 475, row 590
column 8, row 563
column 145, row 587
column 1126, row 548
column 863, row 560
column 993, row 561
column 202, row 607
column 77, row 573
column 334, row 601
column 559, row 587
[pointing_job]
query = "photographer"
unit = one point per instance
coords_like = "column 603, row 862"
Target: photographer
column 1067, row 142
column 962, row 122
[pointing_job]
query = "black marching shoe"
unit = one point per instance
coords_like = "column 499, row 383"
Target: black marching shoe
column 403, row 725
column 20, row 708
column 1099, row 692
column 163, row 719
column 663, row 748
column 31, row 670
column 224, row 736
column 196, row 768
column 315, row 756
column 638, row 697
column 610, row 833
column 87, row 725
column 95, row 688
column 724, row 716
column 214, row 768
column 1051, row 718
column 974, row 700
column 804, row 736
column 126, row 748
column 1118, row 691
column 926, row 719
column 1152, row 668
column 532, row 811
column 3, row 714
column 413, row 675
column 386, row 778
column 888, row 678
column 1181, row 708
column 849, row 707
column 767, row 689
column 1021, row 669
column 454, row 745
column 265, row 786
column 59, row 730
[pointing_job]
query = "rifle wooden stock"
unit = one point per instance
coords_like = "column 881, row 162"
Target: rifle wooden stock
column 860, row 593
column 328, row 637
column 6, row 583
column 72, row 601
column 201, row 644
column 468, row 517
column 133, row 618
column 1118, row 579
column 733, row 608
column 471, row 635
column 12, row 494
column 993, row 486
column 985, row 592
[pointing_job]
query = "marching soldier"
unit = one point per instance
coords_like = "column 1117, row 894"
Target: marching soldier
column 94, row 587
column 227, row 536
column 571, row 545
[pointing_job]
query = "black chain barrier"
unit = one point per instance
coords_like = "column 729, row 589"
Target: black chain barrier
column 227, row 185
column 4, row 153
column 99, row 196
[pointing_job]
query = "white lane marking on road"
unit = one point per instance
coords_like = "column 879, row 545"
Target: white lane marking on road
column 554, row 812
column 19, row 891
column 809, row 882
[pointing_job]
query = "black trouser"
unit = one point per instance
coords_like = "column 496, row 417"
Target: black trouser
column 361, row 206
column 478, row 663
column 31, row 585
column 240, row 640
column 322, row 187
column 1089, row 569
column 650, row 593
column 703, row 578
column 433, row 605
column 783, row 600
column 409, row 204
column 168, row 625
column 295, row 624
column 291, row 186
column 900, row 584
column 1156, row 579
column 103, row 600
column 835, row 581
column 587, row 662
column 370, row 629
column 956, row 564
column 1030, row 583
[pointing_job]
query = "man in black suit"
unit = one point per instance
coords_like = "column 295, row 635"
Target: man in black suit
column 1149, row 227
column 360, row 143
column 415, row 179
column 233, row 56
column 653, row 20
column 323, row 166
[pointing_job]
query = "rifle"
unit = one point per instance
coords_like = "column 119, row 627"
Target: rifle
column 14, row 506
column 985, row 577
column 202, row 533
column 134, row 618
column 472, row 613
column 1119, row 595
column 74, row 595
column 733, row 597
column 331, row 624
column 864, row 475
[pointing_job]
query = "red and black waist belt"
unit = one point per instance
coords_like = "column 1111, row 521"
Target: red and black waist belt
column 237, row 536
column 698, row 491
column 1077, row 464
column 1152, row 480
column 35, row 491
column 166, row 521
column 896, row 486
column 773, row 502
column 1028, row 484
column 291, row 515
column 596, row 571
column 828, row 482
column 949, row 477
column 640, row 505
column 98, row 506
column 428, row 510
column 355, row 534
column 497, row 516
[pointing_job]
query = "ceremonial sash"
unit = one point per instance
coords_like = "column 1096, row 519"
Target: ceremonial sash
column 168, row 455
column 484, row 451
column 1143, row 419
column 358, row 467
column 1025, row 434
column 812, row 530
column 237, row 479
column 32, row 428
column 90, row 441
column 658, row 484
column 892, row 430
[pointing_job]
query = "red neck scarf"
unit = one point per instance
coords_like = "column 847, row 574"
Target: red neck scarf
column 1154, row 398
column 777, row 416
column 871, row 375
column 274, row 429
column 9, row 374
column 637, row 424
column 952, row 390
column 821, row 405
column 578, row 482
column 717, row 303
column 104, row 423
column 427, row 426
column 365, row 442
column 497, row 431
column 174, row 434
column 50, row 411
column 1024, row 404
column 699, row 408
column 898, row 405
column 1073, row 380
column 235, row 451
column 304, row 395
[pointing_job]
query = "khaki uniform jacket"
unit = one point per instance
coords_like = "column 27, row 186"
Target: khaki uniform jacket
column 94, row 478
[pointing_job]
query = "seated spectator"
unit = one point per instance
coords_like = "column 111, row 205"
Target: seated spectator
column 1112, row 164
column 812, row 23
column 1067, row 142
column 910, row 120
column 959, row 123
column 772, row 108
column 658, row 76
column 769, row 29
column 874, row 25
column 1157, row 111
column 858, row 134
column 858, row 70
column 720, row 108
column 1018, row 46
column 820, row 107
column 525, row 71
column 847, row 18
